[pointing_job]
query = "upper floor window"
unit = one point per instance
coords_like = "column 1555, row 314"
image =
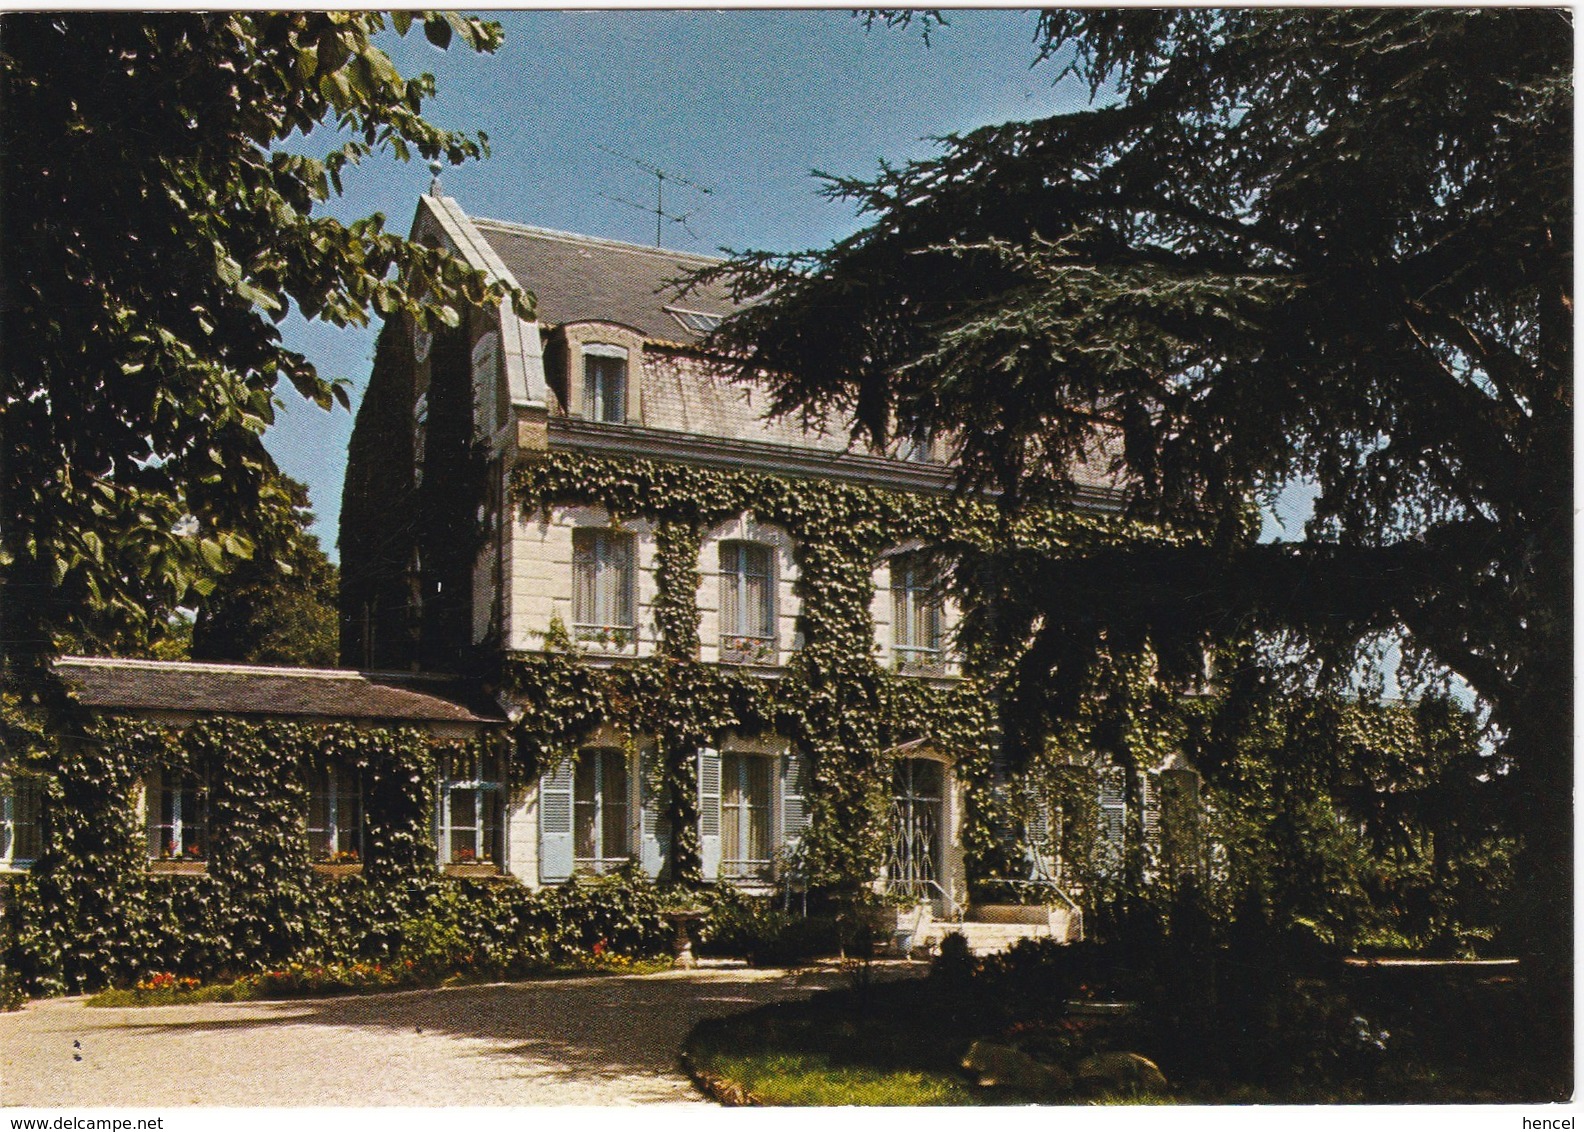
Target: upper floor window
column 917, row 447
column 335, row 816
column 603, row 600
column 601, row 810
column 605, row 383
column 21, row 821
column 747, row 574
column 470, row 809
column 916, row 611
column 178, row 817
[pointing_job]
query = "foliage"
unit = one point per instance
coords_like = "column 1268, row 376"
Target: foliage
column 1327, row 244
column 279, row 606
column 837, row 702
column 754, row 928
column 168, row 225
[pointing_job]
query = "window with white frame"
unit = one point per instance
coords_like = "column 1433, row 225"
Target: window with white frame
column 21, row 821
column 747, row 609
column 746, row 833
column 470, row 809
column 335, row 816
column 604, row 383
column 603, row 584
column 601, row 810
column 916, row 622
column 178, row 817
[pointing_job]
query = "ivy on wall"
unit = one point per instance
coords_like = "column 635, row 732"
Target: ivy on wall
column 837, row 701
column 90, row 913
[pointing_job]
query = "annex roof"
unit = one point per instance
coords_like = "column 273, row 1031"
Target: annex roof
column 574, row 278
column 195, row 688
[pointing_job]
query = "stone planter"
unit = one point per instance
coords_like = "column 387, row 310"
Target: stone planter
column 473, row 869
column 682, row 921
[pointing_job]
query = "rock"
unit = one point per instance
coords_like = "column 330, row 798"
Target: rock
column 1126, row 1073
column 1013, row 1069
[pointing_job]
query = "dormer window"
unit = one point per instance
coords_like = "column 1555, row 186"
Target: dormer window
column 605, row 383
column 697, row 321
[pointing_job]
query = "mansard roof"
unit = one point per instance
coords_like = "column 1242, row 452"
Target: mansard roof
column 193, row 688
column 576, row 278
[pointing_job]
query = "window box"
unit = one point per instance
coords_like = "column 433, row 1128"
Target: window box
column 473, row 869
column 327, row 869
column 176, row 867
column 748, row 650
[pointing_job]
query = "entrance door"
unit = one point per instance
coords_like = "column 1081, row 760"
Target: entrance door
column 916, row 822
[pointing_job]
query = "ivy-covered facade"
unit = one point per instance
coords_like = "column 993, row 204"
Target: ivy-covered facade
column 726, row 643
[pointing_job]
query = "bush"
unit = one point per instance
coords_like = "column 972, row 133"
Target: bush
column 753, row 928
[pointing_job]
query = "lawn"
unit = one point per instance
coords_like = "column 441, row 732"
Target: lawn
column 1355, row 1036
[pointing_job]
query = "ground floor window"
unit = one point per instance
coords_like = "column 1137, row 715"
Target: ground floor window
column 470, row 810
column 745, row 815
column 917, row 812
column 21, row 821
column 335, row 816
column 601, row 810
column 178, row 817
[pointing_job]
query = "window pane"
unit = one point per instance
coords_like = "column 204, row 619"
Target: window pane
column 584, row 571
column 27, row 808
column 605, row 388
column 585, row 805
column 614, row 798
column 757, row 780
column 731, row 810
column 464, row 825
column 731, row 589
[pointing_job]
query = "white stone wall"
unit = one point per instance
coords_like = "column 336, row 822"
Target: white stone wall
column 539, row 576
column 522, row 833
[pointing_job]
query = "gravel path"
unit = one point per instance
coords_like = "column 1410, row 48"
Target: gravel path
column 585, row 1041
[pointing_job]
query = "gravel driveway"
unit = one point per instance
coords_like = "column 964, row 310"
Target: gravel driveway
column 585, row 1041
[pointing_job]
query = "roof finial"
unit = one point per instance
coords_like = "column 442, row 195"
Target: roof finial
column 434, row 185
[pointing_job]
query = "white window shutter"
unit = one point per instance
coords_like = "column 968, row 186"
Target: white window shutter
column 555, row 823
column 709, row 783
column 653, row 836
column 794, row 801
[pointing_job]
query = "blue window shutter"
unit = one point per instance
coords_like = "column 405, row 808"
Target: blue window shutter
column 653, row 835
column 709, row 782
column 555, row 823
column 794, row 801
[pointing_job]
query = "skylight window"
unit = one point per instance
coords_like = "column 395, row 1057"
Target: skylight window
column 695, row 320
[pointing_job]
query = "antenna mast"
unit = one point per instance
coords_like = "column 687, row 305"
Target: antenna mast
column 661, row 177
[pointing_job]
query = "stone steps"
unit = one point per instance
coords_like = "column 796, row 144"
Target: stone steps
column 984, row 938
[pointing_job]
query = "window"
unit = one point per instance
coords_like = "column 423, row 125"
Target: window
column 697, row 321
column 602, row 598
column 747, row 603
column 605, row 383
column 916, row 612
column 917, row 447
column 420, row 436
column 21, row 822
column 916, row 822
column 470, row 810
column 178, row 817
column 601, row 808
column 745, row 815
column 335, row 816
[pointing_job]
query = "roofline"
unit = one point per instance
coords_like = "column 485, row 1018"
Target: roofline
column 578, row 237
column 200, row 666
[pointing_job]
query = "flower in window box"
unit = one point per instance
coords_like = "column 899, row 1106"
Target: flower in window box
column 194, row 852
column 464, row 857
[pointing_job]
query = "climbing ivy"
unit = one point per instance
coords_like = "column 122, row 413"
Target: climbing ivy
column 836, row 701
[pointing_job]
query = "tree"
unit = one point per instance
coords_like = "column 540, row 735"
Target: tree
column 278, row 607
column 159, row 220
column 1321, row 244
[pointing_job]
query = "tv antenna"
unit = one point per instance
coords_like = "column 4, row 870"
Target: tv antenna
column 658, row 208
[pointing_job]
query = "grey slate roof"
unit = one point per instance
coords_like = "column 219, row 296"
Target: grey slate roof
column 239, row 689
column 583, row 277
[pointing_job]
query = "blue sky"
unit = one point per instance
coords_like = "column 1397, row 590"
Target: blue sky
column 746, row 103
